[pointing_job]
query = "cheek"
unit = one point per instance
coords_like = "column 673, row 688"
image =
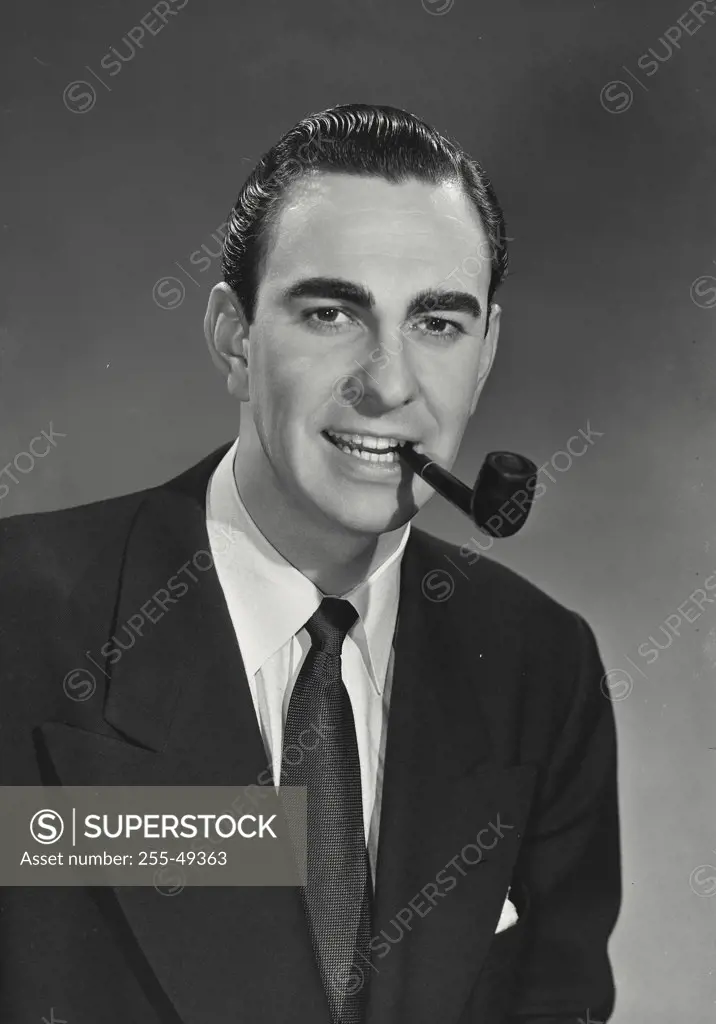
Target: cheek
column 449, row 389
column 285, row 399
column 269, row 378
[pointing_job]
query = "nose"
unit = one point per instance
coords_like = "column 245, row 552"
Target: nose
column 387, row 373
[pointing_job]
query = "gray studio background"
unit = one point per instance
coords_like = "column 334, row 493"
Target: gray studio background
column 603, row 157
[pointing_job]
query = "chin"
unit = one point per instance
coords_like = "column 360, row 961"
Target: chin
column 370, row 519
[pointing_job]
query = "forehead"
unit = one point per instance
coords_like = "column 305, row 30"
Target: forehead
column 410, row 235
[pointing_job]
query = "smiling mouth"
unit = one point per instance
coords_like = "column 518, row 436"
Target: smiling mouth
column 379, row 450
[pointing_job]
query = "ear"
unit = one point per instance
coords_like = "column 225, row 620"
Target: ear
column 488, row 348
column 226, row 330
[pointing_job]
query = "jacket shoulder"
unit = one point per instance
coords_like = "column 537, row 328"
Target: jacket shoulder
column 52, row 547
column 513, row 593
column 545, row 657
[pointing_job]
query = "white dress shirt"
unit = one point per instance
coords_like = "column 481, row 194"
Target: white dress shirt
column 270, row 601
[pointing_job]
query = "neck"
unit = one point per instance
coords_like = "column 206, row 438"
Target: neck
column 333, row 558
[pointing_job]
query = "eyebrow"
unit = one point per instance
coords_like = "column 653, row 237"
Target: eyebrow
column 457, row 302
column 427, row 301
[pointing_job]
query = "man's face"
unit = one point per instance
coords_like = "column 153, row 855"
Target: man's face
column 370, row 328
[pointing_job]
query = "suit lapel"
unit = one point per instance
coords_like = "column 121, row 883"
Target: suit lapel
column 180, row 712
column 444, row 783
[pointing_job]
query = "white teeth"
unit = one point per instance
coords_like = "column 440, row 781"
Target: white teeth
column 387, row 458
column 366, row 441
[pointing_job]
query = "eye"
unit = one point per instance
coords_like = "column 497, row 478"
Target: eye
column 439, row 327
column 325, row 319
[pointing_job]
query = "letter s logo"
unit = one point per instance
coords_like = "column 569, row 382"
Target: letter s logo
column 703, row 292
column 46, row 827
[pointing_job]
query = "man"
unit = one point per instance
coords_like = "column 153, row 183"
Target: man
column 466, row 775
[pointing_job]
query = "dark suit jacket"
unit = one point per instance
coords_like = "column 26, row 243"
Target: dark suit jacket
column 497, row 721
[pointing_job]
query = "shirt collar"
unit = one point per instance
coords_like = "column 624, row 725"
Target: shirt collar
column 271, row 600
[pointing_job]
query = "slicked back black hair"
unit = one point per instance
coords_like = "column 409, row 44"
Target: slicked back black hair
column 354, row 138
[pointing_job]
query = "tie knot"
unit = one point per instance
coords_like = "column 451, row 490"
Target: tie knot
column 330, row 623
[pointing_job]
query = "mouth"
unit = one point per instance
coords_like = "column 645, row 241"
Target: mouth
column 368, row 448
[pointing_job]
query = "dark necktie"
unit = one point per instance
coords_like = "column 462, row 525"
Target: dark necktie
column 337, row 894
